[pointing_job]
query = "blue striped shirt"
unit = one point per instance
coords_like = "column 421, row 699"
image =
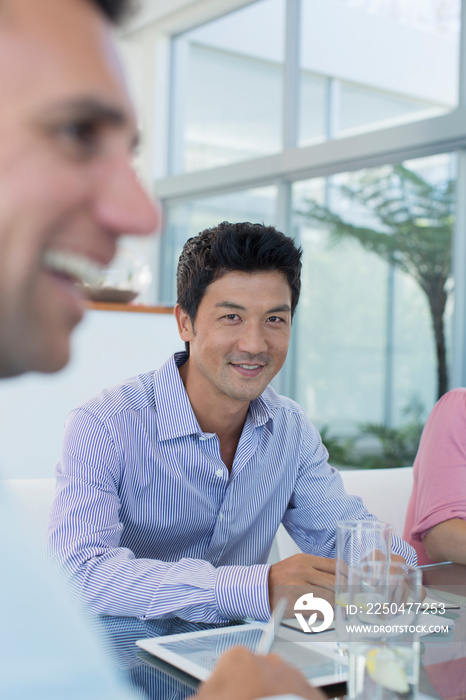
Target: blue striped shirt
column 47, row 651
column 148, row 522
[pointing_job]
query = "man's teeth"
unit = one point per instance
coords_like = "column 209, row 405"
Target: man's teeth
column 249, row 366
column 78, row 267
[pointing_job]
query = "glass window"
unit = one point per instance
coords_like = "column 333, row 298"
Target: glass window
column 385, row 62
column 313, row 108
column 361, row 109
column 188, row 219
column 228, row 89
column 376, row 281
column 371, row 343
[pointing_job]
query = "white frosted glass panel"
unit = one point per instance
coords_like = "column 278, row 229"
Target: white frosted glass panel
column 312, row 104
column 228, row 89
column 361, row 109
column 389, row 62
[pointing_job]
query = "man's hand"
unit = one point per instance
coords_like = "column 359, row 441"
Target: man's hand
column 398, row 559
column 242, row 675
column 300, row 574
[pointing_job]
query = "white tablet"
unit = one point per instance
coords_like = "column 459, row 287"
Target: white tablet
column 196, row 653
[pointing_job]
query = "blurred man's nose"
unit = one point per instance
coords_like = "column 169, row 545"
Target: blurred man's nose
column 123, row 205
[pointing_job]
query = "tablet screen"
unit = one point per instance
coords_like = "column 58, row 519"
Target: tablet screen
column 197, row 653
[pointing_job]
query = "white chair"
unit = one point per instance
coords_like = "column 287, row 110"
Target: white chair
column 385, row 493
column 33, row 498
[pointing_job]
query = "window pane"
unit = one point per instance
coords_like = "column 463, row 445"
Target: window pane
column 383, row 62
column 365, row 346
column 228, row 88
column 188, row 219
column 313, row 108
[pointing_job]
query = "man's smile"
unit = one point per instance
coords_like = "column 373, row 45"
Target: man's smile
column 248, row 370
column 79, row 268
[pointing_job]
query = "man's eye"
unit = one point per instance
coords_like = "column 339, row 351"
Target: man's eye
column 275, row 319
column 232, row 317
column 80, row 135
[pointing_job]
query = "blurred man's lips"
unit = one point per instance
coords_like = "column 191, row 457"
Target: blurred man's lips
column 72, row 266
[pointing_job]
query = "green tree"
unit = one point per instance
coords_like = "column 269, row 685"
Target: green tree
column 411, row 223
column 396, row 447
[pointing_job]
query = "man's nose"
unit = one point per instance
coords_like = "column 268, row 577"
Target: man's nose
column 123, row 206
column 252, row 339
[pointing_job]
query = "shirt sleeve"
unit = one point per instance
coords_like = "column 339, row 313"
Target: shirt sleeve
column 84, row 540
column 319, row 500
column 440, row 467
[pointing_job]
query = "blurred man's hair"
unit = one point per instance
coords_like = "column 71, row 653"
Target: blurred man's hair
column 115, row 10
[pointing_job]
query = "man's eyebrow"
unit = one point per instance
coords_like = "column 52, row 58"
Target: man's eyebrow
column 280, row 309
column 92, row 109
column 232, row 305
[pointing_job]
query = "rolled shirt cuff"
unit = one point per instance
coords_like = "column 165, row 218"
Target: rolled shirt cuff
column 401, row 547
column 243, row 591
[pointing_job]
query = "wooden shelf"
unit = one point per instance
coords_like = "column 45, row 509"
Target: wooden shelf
column 134, row 308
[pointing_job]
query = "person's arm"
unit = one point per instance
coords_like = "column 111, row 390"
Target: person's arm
column 242, row 675
column 319, row 500
column 108, row 579
column 447, row 541
column 440, row 481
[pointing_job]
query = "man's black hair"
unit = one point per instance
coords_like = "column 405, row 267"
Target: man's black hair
column 243, row 247
column 115, row 10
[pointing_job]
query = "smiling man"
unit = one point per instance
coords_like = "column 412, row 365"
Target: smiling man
column 67, row 193
column 186, row 473
column 238, row 342
column 68, row 187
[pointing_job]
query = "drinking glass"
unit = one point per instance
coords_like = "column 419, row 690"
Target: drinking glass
column 383, row 633
column 358, row 542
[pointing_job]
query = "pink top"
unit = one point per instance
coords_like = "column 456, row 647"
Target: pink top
column 439, row 474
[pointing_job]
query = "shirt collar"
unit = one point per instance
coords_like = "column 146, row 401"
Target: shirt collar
column 260, row 411
column 174, row 414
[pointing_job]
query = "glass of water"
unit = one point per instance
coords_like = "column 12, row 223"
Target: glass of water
column 383, row 632
column 358, row 542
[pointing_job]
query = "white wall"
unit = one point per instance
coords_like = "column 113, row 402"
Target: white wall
column 109, row 346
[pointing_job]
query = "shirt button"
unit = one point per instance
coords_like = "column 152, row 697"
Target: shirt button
column 219, row 473
column 202, row 437
column 221, row 516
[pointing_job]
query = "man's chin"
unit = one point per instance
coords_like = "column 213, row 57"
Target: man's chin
column 53, row 366
column 247, row 395
column 10, row 368
column 50, row 357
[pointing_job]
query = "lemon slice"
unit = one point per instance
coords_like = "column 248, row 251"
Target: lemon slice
column 383, row 667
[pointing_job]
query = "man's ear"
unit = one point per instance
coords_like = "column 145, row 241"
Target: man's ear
column 185, row 327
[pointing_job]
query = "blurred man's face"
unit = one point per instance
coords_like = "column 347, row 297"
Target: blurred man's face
column 67, row 188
